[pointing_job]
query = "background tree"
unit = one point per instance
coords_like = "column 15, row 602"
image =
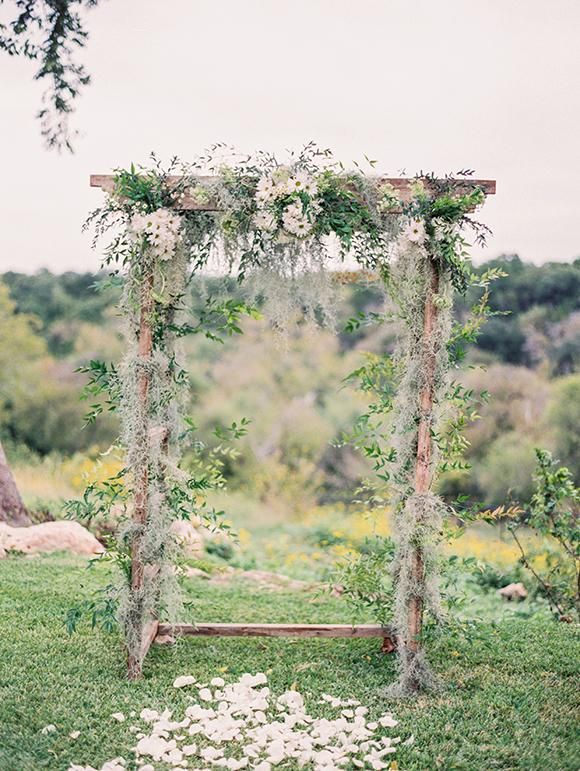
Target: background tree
column 19, row 348
column 12, row 509
column 50, row 32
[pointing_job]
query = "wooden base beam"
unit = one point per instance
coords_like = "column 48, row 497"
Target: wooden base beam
column 276, row 630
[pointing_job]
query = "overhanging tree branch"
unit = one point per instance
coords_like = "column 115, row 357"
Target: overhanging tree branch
column 51, row 32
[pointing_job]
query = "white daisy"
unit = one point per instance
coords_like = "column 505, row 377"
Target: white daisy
column 265, row 189
column 415, row 232
column 301, row 182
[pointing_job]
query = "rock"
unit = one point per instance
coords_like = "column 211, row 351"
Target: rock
column 188, row 537
column 49, row 537
column 513, row 592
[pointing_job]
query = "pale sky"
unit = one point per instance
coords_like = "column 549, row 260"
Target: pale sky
column 417, row 84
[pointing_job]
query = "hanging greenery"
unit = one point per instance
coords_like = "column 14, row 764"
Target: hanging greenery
column 412, row 430
column 278, row 227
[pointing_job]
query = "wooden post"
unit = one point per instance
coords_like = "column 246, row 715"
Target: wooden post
column 424, row 446
column 141, row 507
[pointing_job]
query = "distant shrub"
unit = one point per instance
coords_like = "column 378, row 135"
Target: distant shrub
column 222, row 549
column 554, row 514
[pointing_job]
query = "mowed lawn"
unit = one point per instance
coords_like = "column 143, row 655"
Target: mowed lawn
column 510, row 699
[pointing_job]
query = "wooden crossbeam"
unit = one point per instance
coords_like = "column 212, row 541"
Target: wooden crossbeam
column 275, row 630
column 402, row 184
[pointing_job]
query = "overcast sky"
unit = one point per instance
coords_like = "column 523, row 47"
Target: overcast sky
column 417, row 84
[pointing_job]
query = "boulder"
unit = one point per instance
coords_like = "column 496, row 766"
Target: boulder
column 49, row 537
column 513, row 592
column 190, row 539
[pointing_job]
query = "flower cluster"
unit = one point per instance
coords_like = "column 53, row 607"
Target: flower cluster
column 388, row 199
column 286, row 199
column 243, row 726
column 160, row 228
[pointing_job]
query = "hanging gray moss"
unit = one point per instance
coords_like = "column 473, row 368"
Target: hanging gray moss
column 405, row 432
column 151, row 427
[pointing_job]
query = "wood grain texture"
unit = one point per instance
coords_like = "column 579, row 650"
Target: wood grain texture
column 275, row 630
column 150, row 632
column 106, row 182
column 142, row 477
column 424, row 445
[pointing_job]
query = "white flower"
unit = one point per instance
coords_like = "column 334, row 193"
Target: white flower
column 295, row 221
column 265, row 189
column 415, row 232
column 387, row 197
column 160, row 228
column 301, row 182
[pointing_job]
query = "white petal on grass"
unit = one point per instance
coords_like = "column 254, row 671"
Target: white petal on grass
column 250, row 728
column 117, row 764
column 48, row 729
column 119, row 716
column 149, row 715
column 183, row 681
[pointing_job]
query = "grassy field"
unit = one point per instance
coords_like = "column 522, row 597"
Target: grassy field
column 508, row 701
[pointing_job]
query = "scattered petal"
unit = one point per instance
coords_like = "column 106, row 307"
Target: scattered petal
column 181, row 682
column 270, row 731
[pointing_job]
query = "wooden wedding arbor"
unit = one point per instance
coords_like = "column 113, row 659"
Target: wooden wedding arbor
column 154, row 629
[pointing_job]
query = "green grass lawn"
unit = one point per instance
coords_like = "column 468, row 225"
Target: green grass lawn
column 509, row 699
